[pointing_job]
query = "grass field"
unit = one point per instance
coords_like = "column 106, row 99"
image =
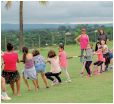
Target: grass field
column 96, row 89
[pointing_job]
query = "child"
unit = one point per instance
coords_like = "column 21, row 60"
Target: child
column 89, row 55
column 55, row 68
column 63, row 61
column 10, row 72
column 85, row 58
column 29, row 69
column 97, row 44
column 100, row 60
column 105, row 53
column 40, row 66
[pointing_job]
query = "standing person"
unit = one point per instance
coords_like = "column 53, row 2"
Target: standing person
column 102, row 35
column 63, row 61
column 40, row 67
column 89, row 55
column 55, row 68
column 29, row 69
column 10, row 72
column 84, row 40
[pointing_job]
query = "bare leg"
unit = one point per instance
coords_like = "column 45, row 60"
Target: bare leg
column 26, row 83
column 18, row 83
column 34, row 82
column 111, row 62
column 103, row 65
column 98, row 68
column 44, row 78
column 95, row 67
column 83, row 68
column 3, row 86
column 13, row 88
column 37, row 80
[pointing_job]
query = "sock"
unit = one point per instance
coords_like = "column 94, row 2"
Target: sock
column 81, row 72
column 4, row 94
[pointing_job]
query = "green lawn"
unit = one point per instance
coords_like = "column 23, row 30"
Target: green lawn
column 96, row 89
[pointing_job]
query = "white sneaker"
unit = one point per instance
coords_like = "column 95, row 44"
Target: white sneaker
column 68, row 80
column 5, row 98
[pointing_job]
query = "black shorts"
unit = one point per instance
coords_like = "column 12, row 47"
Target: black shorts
column 98, row 63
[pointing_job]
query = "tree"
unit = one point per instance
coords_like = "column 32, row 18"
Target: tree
column 8, row 5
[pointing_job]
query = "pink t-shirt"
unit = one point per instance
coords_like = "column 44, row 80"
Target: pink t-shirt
column 84, row 41
column 100, row 56
column 63, row 59
column 10, row 61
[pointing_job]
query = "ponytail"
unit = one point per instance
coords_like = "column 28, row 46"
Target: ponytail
column 25, row 51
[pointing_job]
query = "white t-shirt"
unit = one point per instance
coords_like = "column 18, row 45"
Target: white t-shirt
column 106, row 50
column 55, row 67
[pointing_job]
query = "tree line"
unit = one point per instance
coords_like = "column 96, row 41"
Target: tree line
column 42, row 38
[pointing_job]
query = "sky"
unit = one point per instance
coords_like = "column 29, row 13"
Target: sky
column 59, row 12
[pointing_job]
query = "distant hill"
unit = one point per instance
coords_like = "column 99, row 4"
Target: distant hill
column 36, row 26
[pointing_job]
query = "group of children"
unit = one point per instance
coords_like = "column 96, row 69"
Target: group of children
column 104, row 58
column 35, row 64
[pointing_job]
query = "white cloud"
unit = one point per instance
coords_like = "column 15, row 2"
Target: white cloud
column 59, row 12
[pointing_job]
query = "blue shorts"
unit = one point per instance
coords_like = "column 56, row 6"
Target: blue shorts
column 40, row 68
column 85, row 59
column 111, row 56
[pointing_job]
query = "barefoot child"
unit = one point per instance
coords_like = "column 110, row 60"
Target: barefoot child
column 63, row 61
column 89, row 55
column 55, row 68
column 100, row 60
column 10, row 72
column 29, row 69
column 40, row 67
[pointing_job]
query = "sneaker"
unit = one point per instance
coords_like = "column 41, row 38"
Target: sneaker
column 68, row 80
column 98, row 73
column 81, row 74
column 101, row 71
column 60, row 82
column 106, row 70
column 5, row 98
column 95, row 72
column 111, row 68
column 88, row 75
column 53, row 82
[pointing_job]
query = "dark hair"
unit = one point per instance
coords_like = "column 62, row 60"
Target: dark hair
column 35, row 52
column 101, row 29
column 51, row 54
column 96, row 48
column 9, row 46
column 25, row 51
column 91, row 46
column 61, row 46
column 88, row 44
column 104, row 40
column 101, row 47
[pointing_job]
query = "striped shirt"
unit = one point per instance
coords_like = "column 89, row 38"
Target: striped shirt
column 29, row 63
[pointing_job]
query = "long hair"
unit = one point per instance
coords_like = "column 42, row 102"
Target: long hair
column 100, row 32
column 25, row 51
column 96, row 48
column 61, row 46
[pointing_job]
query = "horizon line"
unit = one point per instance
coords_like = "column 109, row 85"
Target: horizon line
column 68, row 23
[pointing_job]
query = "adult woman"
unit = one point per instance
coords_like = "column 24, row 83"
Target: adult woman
column 102, row 35
column 10, row 72
column 84, row 40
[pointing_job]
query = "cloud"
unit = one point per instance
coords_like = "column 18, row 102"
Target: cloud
column 59, row 12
